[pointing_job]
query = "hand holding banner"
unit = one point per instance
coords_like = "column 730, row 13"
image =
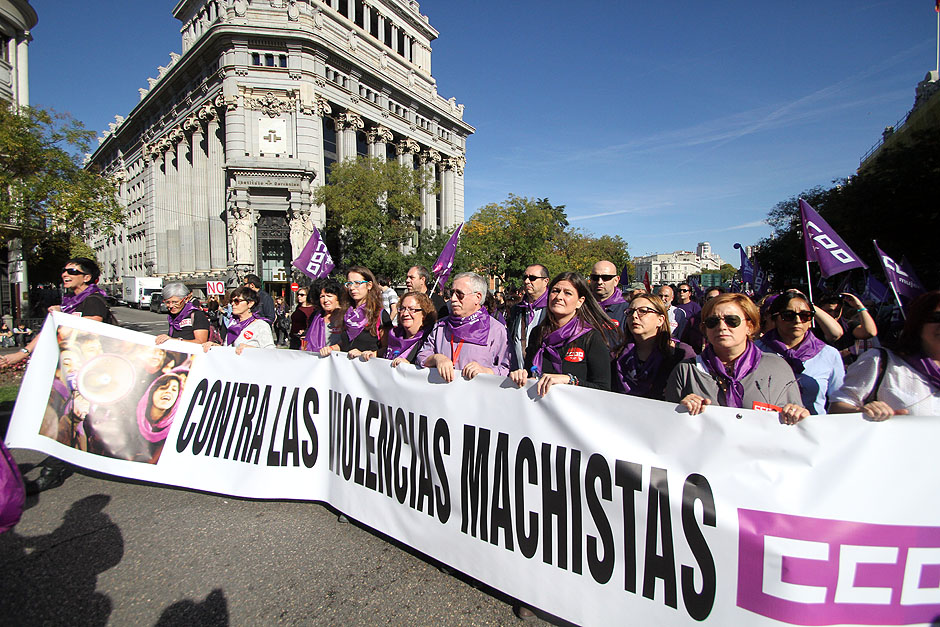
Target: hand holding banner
column 314, row 260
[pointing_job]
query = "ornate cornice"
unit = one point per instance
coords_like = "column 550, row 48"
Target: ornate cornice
column 349, row 120
column 378, row 134
column 408, row 145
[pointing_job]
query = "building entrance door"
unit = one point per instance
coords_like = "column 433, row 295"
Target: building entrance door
column 274, row 251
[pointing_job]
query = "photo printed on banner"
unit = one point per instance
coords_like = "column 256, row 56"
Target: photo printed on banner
column 113, row 398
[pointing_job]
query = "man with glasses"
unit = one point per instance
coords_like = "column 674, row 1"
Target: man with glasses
column 469, row 339
column 528, row 313
column 605, row 285
column 676, row 316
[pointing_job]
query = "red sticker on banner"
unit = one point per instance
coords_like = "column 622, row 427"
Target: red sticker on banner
column 575, row 355
column 247, row 335
column 765, row 407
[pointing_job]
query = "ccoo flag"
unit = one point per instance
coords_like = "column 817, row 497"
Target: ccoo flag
column 314, row 260
column 900, row 276
column 824, row 246
column 747, row 269
column 445, row 262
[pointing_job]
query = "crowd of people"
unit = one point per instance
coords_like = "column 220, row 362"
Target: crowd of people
column 782, row 353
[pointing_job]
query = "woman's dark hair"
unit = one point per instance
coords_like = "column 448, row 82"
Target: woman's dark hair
column 87, row 266
column 663, row 334
column 330, row 286
column 590, row 313
column 780, row 302
column 373, row 297
column 909, row 342
column 245, row 293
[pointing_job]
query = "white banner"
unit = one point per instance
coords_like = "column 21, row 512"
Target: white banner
column 590, row 505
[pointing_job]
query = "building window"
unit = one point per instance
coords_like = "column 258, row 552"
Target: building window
column 255, row 58
column 387, row 35
column 282, row 60
column 390, row 153
column 269, row 60
column 360, row 14
column 344, row 7
column 374, row 24
column 437, row 203
column 362, row 145
column 329, row 145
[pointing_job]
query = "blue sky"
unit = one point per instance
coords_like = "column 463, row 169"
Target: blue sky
column 667, row 123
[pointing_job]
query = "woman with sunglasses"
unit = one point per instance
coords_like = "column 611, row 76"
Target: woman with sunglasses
column 568, row 346
column 416, row 317
column 649, row 353
column 816, row 365
column 187, row 322
column 300, row 318
column 732, row 371
column 366, row 321
column 247, row 328
column 325, row 331
column 884, row 383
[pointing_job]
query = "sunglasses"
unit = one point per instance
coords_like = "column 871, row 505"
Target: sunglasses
column 639, row 311
column 237, row 300
column 732, row 321
column 789, row 315
column 73, row 271
column 684, row 289
column 532, row 278
column 460, row 295
column 602, row 277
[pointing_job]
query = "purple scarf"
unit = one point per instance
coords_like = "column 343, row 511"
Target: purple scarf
column 71, row 302
column 637, row 376
column 316, row 333
column 808, row 348
column 529, row 308
column 613, row 299
column 474, row 328
column 177, row 320
column 399, row 345
column 355, row 320
column 158, row 432
column 730, row 386
column 235, row 329
column 555, row 341
column 926, row 367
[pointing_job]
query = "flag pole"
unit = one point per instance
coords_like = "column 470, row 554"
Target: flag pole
column 809, row 282
column 938, row 38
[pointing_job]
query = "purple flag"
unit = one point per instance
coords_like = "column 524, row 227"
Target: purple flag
column 824, row 246
column 875, row 290
column 314, row 260
column 760, row 280
column 903, row 281
column 445, row 262
column 625, row 275
column 696, row 288
column 747, row 270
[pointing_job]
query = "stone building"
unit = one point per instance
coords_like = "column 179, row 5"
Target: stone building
column 218, row 161
column 676, row 267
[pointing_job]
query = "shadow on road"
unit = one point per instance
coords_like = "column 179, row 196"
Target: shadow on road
column 52, row 578
column 213, row 611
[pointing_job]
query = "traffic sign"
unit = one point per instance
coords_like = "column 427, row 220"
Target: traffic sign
column 294, row 287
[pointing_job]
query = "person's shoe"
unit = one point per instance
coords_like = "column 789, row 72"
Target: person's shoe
column 49, row 477
column 524, row 612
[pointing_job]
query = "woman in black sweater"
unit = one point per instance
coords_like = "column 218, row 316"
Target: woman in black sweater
column 569, row 346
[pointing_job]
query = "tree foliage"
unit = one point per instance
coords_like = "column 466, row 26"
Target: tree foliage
column 372, row 209
column 43, row 185
column 893, row 200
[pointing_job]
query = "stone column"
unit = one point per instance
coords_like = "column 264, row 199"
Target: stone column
column 235, row 127
column 22, row 68
column 366, row 17
column 346, row 126
column 171, row 209
column 377, row 137
column 449, row 165
column 184, row 174
column 200, row 198
column 429, row 159
column 215, row 184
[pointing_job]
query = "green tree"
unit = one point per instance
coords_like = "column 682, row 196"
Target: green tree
column 727, row 272
column 578, row 251
column 372, row 209
column 43, row 186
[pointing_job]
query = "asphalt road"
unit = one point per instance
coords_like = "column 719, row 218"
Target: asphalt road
column 99, row 550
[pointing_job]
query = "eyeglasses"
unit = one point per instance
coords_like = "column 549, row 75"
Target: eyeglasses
column 789, row 315
column 172, row 303
column 684, row 289
column 411, row 310
column 532, row 278
column 602, row 277
column 460, row 295
column 639, row 311
column 732, row 321
column 351, row 283
column 73, row 271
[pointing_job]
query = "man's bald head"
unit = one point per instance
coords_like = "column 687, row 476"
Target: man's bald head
column 604, row 279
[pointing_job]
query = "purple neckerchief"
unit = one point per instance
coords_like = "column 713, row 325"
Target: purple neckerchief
column 637, row 376
column 236, row 328
column 926, row 367
column 474, row 328
column 176, row 321
column 316, row 333
column 613, row 299
column 730, row 386
column 529, row 308
column 554, row 341
column 71, row 302
column 158, row 432
column 355, row 320
column 808, row 348
column 399, row 345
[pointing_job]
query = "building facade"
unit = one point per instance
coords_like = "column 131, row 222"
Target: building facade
column 925, row 114
column 218, row 162
column 676, row 267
